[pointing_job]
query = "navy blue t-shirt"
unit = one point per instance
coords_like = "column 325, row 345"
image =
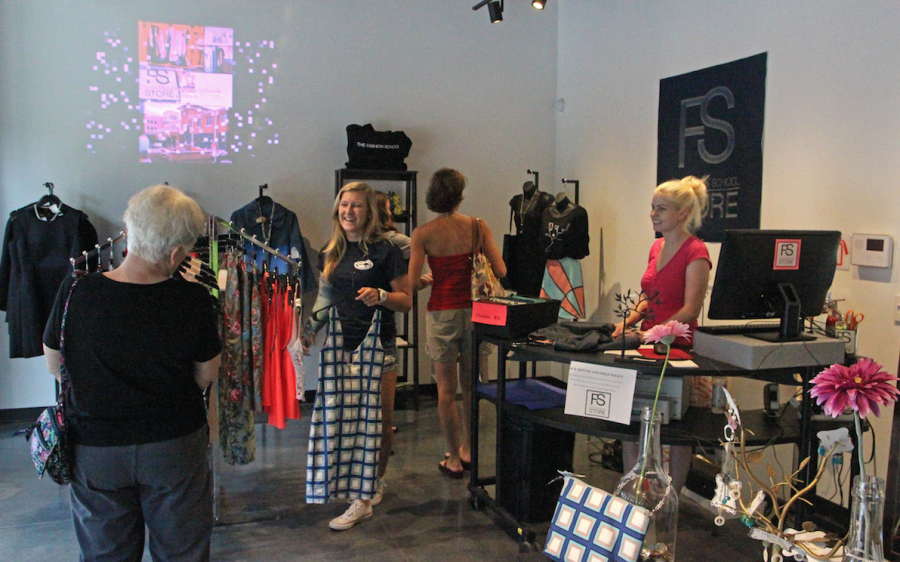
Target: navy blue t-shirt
column 377, row 267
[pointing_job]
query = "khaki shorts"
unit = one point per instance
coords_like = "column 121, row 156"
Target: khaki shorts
column 449, row 334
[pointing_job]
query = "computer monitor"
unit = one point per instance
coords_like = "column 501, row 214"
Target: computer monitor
column 772, row 274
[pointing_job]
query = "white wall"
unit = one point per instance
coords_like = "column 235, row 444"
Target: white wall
column 470, row 95
column 831, row 134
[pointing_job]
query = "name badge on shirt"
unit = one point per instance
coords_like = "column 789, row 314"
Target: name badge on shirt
column 364, row 265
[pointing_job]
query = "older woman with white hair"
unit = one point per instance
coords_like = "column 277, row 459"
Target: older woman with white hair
column 140, row 348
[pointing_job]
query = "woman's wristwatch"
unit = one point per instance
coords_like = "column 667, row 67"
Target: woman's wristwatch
column 382, row 296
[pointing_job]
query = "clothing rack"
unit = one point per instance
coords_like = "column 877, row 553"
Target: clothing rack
column 219, row 488
column 255, row 241
column 110, row 242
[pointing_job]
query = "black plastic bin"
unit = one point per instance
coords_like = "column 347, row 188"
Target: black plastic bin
column 531, row 456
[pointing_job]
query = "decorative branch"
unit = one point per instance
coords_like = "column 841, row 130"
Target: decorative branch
column 769, row 529
column 631, row 301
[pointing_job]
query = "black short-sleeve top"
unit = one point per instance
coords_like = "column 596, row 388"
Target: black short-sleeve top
column 129, row 352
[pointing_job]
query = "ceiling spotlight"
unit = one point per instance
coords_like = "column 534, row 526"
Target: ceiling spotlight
column 539, row 4
column 495, row 9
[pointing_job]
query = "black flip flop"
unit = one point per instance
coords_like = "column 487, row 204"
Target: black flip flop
column 451, row 474
column 465, row 464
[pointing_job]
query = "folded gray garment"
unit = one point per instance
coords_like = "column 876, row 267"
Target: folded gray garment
column 584, row 337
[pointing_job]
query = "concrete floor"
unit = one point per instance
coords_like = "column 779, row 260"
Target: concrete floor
column 262, row 515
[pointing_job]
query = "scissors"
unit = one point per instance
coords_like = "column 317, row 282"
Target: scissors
column 852, row 319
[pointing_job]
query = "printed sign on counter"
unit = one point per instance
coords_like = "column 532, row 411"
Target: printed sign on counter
column 600, row 391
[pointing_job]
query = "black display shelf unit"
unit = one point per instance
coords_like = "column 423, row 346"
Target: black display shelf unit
column 407, row 324
column 514, row 502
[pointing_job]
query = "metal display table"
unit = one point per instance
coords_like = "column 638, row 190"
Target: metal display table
column 699, row 424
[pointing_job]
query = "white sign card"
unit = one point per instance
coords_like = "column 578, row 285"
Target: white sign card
column 600, row 391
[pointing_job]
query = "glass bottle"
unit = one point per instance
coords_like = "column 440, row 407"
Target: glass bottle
column 648, row 485
column 866, row 513
column 719, row 402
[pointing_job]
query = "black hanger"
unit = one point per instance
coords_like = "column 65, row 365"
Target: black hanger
column 263, row 198
column 49, row 200
column 49, row 206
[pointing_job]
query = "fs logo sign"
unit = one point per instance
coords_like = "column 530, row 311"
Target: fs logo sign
column 708, row 121
column 596, row 404
column 711, row 125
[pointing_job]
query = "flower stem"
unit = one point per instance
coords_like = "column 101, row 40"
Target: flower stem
column 653, row 412
column 859, row 444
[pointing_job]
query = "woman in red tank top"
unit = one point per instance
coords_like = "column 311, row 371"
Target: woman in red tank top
column 446, row 243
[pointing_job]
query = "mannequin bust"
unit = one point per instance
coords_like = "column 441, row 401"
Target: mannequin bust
column 562, row 201
column 528, row 207
column 528, row 188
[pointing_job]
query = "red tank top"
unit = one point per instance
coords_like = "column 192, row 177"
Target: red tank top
column 452, row 286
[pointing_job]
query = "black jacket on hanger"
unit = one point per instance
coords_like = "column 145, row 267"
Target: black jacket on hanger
column 35, row 260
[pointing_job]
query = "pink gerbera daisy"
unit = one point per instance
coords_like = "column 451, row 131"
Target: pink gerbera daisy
column 667, row 333
column 862, row 386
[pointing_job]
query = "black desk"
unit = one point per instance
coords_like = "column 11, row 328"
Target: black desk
column 793, row 426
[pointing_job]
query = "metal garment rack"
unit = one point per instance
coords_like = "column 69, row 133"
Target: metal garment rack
column 110, row 242
column 409, row 336
column 213, row 414
column 254, row 240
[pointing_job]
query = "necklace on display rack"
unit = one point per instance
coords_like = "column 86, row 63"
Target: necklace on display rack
column 262, row 220
column 524, row 209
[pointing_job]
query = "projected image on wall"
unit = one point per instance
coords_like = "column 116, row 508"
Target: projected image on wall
column 186, row 86
column 183, row 107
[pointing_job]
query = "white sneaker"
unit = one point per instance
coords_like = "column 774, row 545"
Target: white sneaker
column 358, row 511
column 380, row 486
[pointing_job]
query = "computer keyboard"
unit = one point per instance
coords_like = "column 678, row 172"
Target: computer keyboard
column 739, row 329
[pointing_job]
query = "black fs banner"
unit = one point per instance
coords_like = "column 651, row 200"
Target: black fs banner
column 711, row 124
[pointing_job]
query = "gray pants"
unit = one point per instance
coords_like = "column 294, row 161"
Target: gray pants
column 166, row 486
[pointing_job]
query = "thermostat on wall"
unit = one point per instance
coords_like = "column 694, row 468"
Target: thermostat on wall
column 872, row 250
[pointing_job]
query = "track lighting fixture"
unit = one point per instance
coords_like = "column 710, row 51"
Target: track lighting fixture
column 495, row 9
column 539, row 4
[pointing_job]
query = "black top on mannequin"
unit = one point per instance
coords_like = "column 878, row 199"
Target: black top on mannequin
column 564, row 229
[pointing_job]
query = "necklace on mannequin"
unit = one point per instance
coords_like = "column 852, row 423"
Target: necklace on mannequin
column 524, row 209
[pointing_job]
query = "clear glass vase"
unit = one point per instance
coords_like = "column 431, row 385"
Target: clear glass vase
column 648, row 485
column 866, row 514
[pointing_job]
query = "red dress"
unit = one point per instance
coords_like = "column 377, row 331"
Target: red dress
column 279, row 399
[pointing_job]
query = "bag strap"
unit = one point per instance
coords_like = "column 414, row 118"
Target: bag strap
column 476, row 236
column 63, row 375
